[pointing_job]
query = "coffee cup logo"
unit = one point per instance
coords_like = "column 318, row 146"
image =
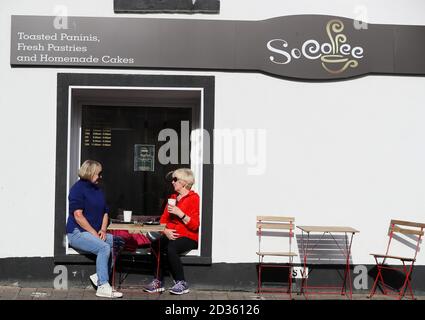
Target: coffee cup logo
column 336, row 56
column 336, row 63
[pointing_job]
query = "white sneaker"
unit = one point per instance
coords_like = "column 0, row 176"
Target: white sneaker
column 105, row 291
column 94, row 279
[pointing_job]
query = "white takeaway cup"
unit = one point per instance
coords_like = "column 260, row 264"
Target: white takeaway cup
column 127, row 215
column 171, row 202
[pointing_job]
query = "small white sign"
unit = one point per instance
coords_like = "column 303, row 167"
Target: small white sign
column 299, row 273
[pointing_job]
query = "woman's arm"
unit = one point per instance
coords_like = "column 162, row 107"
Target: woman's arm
column 83, row 223
column 102, row 231
column 190, row 217
column 179, row 213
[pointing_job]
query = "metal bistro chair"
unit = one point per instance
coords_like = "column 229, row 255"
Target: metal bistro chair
column 411, row 235
column 273, row 226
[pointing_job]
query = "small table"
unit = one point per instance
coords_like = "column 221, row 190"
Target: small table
column 137, row 228
column 346, row 250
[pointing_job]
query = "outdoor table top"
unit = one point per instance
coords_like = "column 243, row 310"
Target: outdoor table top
column 136, row 227
column 329, row 229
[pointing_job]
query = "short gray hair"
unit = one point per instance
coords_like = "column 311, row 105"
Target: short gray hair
column 185, row 175
column 88, row 169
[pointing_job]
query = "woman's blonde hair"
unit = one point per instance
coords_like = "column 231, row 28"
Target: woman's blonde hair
column 185, row 175
column 88, row 169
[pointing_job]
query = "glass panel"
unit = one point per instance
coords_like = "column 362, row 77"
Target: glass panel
column 125, row 141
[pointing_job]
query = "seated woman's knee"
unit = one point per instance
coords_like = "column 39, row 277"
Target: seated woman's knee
column 171, row 248
column 105, row 249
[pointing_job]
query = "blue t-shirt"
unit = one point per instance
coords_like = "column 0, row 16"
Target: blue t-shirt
column 85, row 195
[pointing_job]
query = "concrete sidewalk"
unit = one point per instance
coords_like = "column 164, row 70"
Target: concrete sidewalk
column 136, row 293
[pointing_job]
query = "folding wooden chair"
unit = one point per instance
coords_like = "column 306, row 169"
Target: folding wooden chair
column 397, row 230
column 275, row 226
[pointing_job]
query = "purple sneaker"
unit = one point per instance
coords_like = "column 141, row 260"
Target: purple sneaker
column 154, row 286
column 180, row 287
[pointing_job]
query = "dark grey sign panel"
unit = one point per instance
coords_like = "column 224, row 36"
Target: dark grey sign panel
column 313, row 47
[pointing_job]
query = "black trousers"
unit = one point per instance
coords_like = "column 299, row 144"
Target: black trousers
column 170, row 252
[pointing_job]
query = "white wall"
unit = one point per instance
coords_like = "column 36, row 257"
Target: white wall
column 341, row 153
column 344, row 153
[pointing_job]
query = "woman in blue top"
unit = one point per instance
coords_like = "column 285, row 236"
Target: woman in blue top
column 87, row 223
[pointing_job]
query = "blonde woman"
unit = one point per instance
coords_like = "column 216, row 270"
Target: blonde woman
column 87, row 223
column 181, row 231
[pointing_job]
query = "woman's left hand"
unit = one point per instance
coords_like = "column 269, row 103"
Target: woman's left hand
column 102, row 235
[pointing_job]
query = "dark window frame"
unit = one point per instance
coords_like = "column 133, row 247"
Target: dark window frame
column 64, row 81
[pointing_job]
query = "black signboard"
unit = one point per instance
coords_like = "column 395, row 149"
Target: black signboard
column 311, row 47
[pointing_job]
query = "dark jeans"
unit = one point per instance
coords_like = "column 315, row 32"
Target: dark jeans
column 170, row 252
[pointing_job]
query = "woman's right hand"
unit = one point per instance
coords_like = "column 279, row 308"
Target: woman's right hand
column 102, row 235
column 95, row 234
column 171, row 234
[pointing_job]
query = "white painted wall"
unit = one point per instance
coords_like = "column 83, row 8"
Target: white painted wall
column 344, row 153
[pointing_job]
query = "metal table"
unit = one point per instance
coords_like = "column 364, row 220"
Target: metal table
column 137, row 228
column 345, row 250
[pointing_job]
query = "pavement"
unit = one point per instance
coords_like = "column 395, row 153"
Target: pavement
column 136, row 293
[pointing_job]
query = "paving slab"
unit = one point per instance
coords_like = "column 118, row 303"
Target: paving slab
column 137, row 293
